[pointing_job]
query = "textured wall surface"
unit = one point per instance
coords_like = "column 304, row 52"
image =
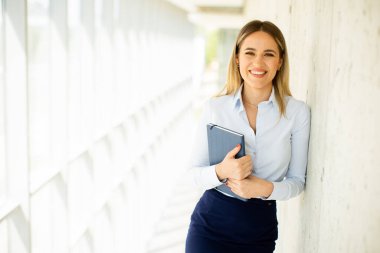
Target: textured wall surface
column 334, row 57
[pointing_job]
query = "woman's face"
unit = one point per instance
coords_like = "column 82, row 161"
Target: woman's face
column 259, row 59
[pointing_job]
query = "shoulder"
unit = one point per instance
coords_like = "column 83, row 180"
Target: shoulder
column 212, row 105
column 220, row 102
column 297, row 109
column 221, row 99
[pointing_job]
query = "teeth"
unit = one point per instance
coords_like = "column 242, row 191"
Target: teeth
column 257, row 72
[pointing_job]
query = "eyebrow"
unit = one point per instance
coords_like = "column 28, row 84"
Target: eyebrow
column 266, row 50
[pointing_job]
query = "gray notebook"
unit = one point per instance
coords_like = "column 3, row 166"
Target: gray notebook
column 221, row 141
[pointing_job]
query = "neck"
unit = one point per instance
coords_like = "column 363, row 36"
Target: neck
column 254, row 96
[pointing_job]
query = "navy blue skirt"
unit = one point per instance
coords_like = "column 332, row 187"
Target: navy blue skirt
column 222, row 224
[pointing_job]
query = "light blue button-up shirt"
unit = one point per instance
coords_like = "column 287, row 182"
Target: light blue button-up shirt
column 279, row 148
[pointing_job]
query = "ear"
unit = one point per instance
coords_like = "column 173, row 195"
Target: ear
column 237, row 60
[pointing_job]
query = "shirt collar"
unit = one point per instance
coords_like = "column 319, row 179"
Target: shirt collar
column 238, row 102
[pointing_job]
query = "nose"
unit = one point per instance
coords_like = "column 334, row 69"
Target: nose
column 258, row 60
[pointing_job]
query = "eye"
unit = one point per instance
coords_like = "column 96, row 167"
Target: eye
column 269, row 54
column 250, row 53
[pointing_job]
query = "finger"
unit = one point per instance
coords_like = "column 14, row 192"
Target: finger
column 242, row 162
column 232, row 187
column 247, row 172
column 233, row 152
column 233, row 182
column 247, row 163
column 240, row 173
column 245, row 158
column 246, row 168
column 230, row 182
column 236, row 191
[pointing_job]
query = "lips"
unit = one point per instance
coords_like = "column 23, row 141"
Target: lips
column 257, row 72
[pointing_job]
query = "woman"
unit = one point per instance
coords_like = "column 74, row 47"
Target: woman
column 256, row 102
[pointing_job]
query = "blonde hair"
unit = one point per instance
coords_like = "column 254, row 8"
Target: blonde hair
column 280, row 81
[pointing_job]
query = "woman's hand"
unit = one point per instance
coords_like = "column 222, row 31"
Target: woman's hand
column 251, row 187
column 232, row 168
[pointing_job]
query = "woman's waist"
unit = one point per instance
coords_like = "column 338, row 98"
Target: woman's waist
column 256, row 201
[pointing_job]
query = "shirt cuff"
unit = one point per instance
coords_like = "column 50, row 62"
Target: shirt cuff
column 279, row 190
column 210, row 177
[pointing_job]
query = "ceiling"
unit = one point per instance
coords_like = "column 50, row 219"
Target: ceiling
column 214, row 14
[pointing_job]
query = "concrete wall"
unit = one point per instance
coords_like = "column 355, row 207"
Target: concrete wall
column 334, row 57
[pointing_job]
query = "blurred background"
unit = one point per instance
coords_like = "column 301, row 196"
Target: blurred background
column 99, row 100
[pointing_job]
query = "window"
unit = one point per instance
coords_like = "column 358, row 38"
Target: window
column 3, row 169
column 39, row 85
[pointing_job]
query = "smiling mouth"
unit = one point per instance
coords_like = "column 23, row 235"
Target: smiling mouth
column 256, row 73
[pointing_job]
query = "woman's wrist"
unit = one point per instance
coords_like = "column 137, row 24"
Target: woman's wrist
column 267, row 189
column 219, row 172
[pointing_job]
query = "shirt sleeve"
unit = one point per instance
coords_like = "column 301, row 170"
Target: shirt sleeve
column 294, row 181
column 199, row 168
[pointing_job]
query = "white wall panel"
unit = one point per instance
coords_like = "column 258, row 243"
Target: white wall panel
column 93, row 92
column 3, row 171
